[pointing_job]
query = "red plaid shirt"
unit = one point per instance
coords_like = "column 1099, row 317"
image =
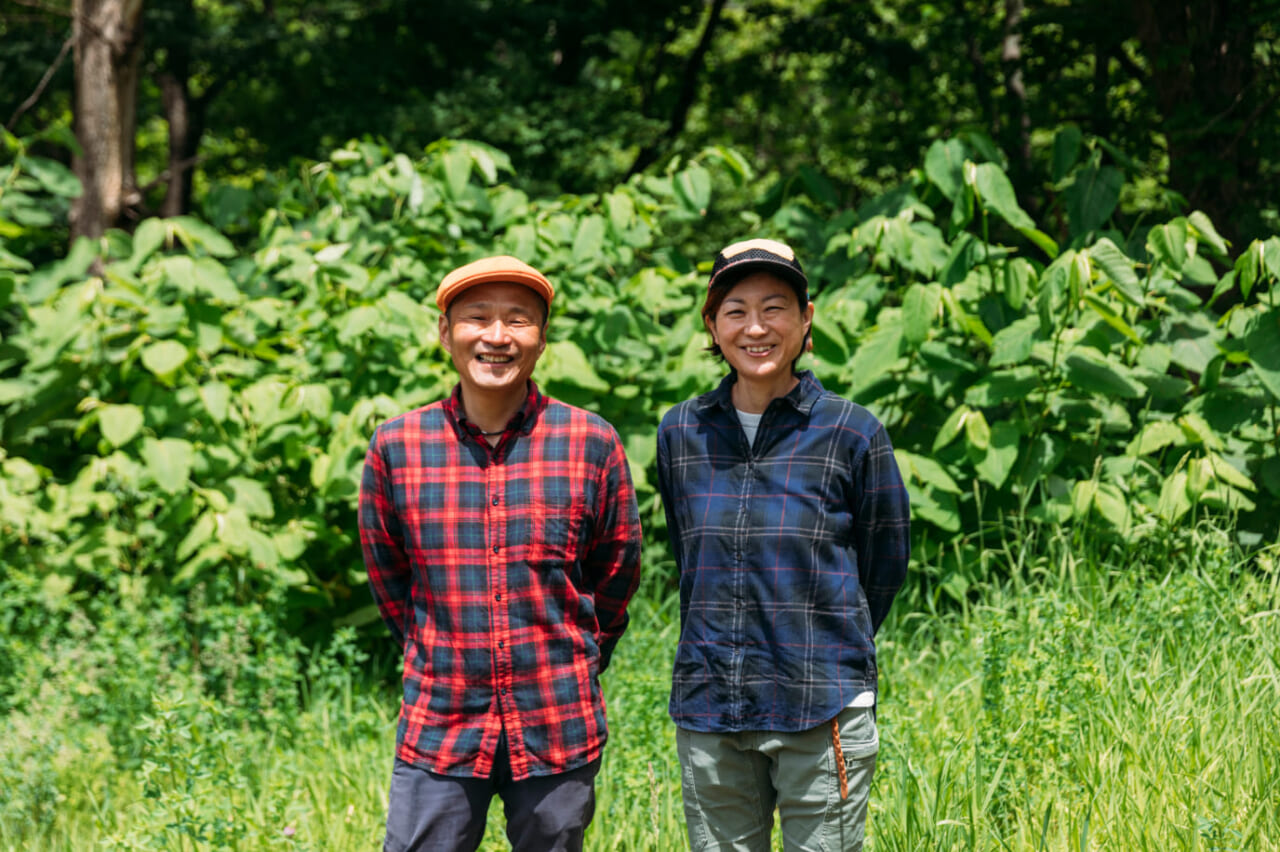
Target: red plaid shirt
column 505, row 573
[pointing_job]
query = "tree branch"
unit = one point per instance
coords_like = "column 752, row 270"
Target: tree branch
column 688, row 90
column 44, row 82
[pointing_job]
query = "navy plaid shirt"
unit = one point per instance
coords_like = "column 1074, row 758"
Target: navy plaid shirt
column 790, row 553
column 504, row 572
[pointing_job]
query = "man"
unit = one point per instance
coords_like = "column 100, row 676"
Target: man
column 502, row 541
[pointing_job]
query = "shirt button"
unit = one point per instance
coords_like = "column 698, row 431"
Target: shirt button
column 500, row 644
column 495, row 501
column 495, row 548
column 504, row 690
column 498, row 596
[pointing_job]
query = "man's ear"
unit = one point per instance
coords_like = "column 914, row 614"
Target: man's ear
column 443, row 330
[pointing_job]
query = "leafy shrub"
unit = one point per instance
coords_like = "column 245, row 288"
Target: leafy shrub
column 177, row 410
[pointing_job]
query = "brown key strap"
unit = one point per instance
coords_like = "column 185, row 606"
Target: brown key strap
column 835, row 742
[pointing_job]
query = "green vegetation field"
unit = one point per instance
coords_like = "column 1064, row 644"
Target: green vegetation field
column 1089, row 702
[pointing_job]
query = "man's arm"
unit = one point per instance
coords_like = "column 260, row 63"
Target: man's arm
column 883, row 523
column 382, row 542
column 612, row 563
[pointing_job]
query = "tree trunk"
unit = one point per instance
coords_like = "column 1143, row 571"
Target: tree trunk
column 1203, row 78
column 177, row 110
column 688, row 92
column 108, row 42
column 1019, row 128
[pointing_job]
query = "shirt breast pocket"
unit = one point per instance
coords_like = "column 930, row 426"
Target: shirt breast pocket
column 554, row 532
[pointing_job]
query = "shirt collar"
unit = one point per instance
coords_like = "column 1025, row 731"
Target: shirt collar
column 802, row 397
column 522, row 422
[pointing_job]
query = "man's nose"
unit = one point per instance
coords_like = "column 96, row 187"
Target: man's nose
column 497, row 332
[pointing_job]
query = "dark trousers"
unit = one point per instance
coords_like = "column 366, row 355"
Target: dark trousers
column 544, row 813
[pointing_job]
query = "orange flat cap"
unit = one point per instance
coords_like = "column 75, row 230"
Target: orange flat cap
column 487, row 270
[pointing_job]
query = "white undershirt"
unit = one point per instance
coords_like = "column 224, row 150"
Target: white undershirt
column 751, row 424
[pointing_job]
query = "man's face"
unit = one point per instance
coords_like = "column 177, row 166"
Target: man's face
column 495, row 334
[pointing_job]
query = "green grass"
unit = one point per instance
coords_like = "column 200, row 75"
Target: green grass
column 1076, row 705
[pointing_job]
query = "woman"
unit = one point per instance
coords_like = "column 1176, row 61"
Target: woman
column 789, row 524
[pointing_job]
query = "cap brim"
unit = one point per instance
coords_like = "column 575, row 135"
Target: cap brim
column 732, row 273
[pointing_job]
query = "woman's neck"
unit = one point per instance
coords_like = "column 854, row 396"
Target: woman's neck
column 754, row 397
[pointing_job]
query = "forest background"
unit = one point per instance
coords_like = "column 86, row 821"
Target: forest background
column 1043, row 244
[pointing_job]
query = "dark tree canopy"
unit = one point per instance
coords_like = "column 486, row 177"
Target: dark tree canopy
column 843, row 97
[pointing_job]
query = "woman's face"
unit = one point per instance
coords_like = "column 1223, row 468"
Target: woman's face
column 761, row 329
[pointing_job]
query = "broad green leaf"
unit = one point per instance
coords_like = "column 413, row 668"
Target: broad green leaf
column 622, row 211
column 1226, row 498
column 1155, row 436
column 1263, row 346
column 1199, row 475
column 1092, row 197
column 120, row 423
column 315, row 398
column 951, row 427
column 147, row 239
column 1012, row 344
column 1082, row 494
column 829, row 342
column 42, row 283
column 1110, row 503
column 588, row 242
column 1224, row 471
column 1091, row 371
column 995, row 192
column 356, row 322
column 216, row 397
column 943, row 165
column 1041, row 240
column 1066, row 150
column 164, row 357
column 212, row 277
column 1248, row 267
column 1110, row 315
column 1081, row 275
column 976, row 431
column 201, row 532
column 1018, row 275
column 875, row 355
column 1174, row 502
column 564, row 361
column 169, row 461
column 693, row 188
column 1205, row 233
column 457, row 171
column 1002, row 386
column 195, row 233
column 926, row 471
column 932, row 506
column 1198, row 430
column 919, row 311
column 1271, row 257
column 56, row 178
column 1118, row 269
column 965, row 253
column 251, row 496
column 1167, row 244
column 1001, row 454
